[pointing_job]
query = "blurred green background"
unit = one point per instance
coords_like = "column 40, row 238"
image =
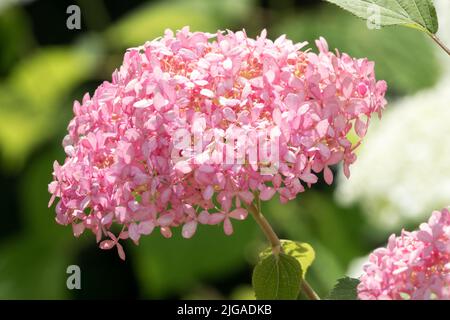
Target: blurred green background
column 44, row 67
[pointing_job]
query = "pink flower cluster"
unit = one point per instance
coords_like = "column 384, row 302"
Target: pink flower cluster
column 415, row 265
column 125, row 161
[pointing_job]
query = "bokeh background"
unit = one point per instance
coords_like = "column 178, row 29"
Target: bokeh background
column 402, row 174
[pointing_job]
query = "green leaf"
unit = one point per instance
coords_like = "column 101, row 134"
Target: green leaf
column 418, row 14
column 301, row 251
column 345, row 289
column 277, row 277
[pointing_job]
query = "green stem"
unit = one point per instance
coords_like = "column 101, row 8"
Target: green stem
column 440, row 43
column 267, row 229
column 276, row 245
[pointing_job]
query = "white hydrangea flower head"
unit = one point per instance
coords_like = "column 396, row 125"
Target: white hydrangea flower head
column 403, row 167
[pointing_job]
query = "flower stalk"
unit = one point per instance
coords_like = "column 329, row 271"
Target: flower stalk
column 440, row 43
column 276, row 245
column 267, row 229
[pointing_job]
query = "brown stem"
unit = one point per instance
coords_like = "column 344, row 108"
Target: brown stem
column 276, row 245
column 440, row 43
column 310, row 293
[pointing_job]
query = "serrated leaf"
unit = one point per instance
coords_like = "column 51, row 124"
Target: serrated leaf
column 419, row 14
column 301, row 251
column 277, row 278
column 345, row 289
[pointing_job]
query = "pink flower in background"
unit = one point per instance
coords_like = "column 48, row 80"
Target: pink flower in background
column 415, row 265
column 194, row 126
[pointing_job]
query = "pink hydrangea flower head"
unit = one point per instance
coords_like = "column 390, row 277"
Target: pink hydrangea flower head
column 194, row 126
column 415, row 265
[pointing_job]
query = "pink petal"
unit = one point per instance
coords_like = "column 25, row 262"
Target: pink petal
column 111, row 235
column 203, row 217
column 189, row 229
column 328, row 175
column 159, row 101
column 347, row 170
column 166, row 220
column 229, row 114
column 121, row 214
column 360, row 128
column 166, row 232
column 247, row 196
column 322, row 45
column 207, row 93
column 347, row 87
column 98, row 235
column 78, row 229
column 146, row 227
column 208, row 192
column 329, row 92
column 123, row 235
column 107, row 219
column 322, row 128
column 227, row 64
column 238, row 214
column 292, row 101
column 52, row 199
column 182, row 167
column 107, row 244
column 216, row 218
column 120, row 251
column 144, row 103
column 227, row 227
column 133, row 232
column 308, row 177
column 267, row 193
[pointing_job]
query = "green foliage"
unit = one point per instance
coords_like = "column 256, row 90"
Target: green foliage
column 345, row 289
column 165, row 266
column 277, row 277
column 418, row 14
column 243, row 292
column 15, row 37
column 30, row 98
column 150, row 21
column 302, row 252
column 60, row 67
column 31, row 269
